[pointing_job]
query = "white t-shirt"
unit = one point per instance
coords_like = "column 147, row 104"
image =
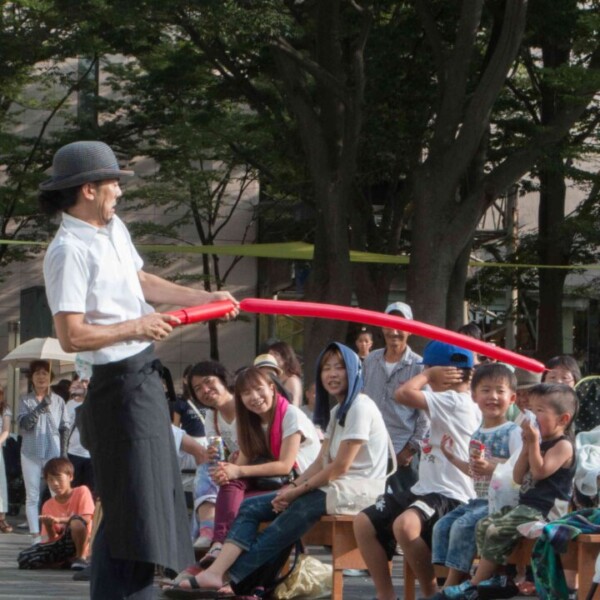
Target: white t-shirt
column 227, row 431
column 75, row 446
column 363, row 422
column 178, row 434
column 295, row 420
column 457, row 415
column 94, row 271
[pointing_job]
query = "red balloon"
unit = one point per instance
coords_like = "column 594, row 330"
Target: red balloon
column 370, row 317
column 204, row 312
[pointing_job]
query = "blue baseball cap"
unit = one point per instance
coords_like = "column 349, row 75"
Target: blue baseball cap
column 440, row 354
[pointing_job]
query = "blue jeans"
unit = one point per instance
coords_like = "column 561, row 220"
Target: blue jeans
column 286, row 528
column 453, row 540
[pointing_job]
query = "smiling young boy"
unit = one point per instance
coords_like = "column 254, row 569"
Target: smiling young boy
column 66, row 522
column 453, row 542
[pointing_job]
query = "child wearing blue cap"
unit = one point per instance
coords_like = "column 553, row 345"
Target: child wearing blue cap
column 408, row 518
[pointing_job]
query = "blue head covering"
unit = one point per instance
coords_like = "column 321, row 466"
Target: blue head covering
column 355, row 385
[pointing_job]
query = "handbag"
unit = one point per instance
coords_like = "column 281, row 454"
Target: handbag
column 269, row 483
column 309, row 579
column 350, row 496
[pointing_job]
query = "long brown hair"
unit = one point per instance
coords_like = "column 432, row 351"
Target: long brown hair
column 291, row 364
column 251, row 437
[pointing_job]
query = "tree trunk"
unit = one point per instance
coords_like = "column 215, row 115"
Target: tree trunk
column 457, row 289
column 554, row 241
column 441, row 232
column 331, row 276
column 553, row 247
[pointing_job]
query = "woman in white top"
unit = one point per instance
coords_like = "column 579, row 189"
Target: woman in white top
column 274, row 437
column 357, row 450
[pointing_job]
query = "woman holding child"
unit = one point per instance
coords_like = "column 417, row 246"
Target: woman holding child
column 355, row 447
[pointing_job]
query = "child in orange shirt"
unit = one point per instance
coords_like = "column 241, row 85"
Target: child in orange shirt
column 66, row 522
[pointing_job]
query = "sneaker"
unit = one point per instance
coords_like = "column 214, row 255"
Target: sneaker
column 36, row 538
column 84, row 574
column 499, row 586
column 355, row 573
column 23, row 525
column 79, row 564
column 203, row 542
column 463, row 591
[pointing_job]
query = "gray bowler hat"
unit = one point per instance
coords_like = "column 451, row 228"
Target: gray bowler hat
column 82, row 162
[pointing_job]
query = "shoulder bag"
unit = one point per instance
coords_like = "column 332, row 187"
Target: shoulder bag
column 350, row 496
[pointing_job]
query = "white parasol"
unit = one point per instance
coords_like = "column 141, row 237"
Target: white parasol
column 41, row 349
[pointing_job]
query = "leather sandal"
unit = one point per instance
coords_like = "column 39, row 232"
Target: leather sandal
column 5, row 527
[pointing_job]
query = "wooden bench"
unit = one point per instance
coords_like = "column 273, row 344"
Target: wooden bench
column 580, row 557
column 336, row 531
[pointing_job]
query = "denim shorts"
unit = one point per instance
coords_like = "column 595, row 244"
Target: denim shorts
column 453, row 539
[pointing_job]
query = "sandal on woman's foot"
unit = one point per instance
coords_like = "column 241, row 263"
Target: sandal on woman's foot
column 190, row 571
column 5, row 527
column 210, row 557
column 194, row 591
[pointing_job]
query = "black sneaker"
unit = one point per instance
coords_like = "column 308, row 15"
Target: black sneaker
column 83, row 575
column 500, row 586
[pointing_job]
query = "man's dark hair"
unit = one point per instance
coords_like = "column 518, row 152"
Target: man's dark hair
column 54, row 201
column 472, row 330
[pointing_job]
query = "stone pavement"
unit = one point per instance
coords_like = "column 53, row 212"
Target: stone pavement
column 29, row 585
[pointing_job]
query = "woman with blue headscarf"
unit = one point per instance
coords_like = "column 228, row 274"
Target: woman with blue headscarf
column 355, row 447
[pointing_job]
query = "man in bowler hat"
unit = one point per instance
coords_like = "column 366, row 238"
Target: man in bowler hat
column 98, row 293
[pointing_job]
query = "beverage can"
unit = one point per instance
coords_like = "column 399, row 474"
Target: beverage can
column 216, row 442
column 476, row 449
column 426, row 446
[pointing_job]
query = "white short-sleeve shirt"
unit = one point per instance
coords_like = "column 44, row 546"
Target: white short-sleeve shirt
column 295, row 420
column 94, row 271
column 363, row 422
column 455, row 414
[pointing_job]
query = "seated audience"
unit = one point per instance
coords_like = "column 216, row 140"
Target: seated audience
column 355, row 447
column 545, row 470
column 408, row 517
column 453, row 542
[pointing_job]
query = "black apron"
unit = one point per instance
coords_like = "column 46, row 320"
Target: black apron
column 128, row 432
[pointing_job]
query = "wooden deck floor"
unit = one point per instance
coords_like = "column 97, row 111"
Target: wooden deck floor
column 34, row 585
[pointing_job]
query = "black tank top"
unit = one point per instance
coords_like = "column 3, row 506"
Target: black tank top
column 544, row 493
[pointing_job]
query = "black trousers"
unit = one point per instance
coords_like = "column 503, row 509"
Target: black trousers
column 118, row 579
